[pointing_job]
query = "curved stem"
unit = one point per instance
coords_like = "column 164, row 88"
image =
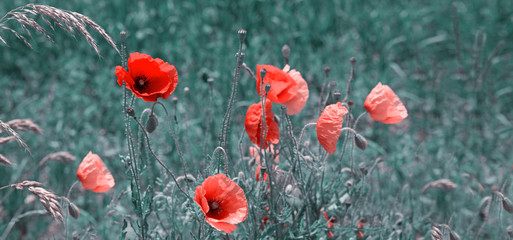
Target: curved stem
column 158, row 160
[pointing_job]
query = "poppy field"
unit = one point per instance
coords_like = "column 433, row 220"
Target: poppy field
column 256, row 119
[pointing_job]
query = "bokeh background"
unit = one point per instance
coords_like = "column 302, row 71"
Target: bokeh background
column 460, row 123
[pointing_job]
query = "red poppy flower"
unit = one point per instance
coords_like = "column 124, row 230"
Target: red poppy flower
column 384, row 106
column 283, row 86
column 148, row 78
column 359, row 225
column 329, row 126
column 222, row 201
column 330, row 223
column 253, row 124
column 298, row 100
column 94, row 175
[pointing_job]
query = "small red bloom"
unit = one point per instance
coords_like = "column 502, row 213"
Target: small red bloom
column 148, row 78
column 94, row 175
column 283, row 86
column 329, row 126
column 330, row 223
column 360, row 224
column 253, row 124
column 298, row 101
column 222, row 201
column 384, row 106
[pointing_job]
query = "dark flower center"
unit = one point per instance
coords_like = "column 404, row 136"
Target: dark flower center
column 141, row 83
column 215, row 207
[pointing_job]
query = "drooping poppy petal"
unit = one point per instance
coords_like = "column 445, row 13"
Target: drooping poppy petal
column 329, row 126
column 94, row 175
column 298, row 101
column 148, row 78
column 283, row 86
column 222, row 201
column 384, row 106
column 253, row 124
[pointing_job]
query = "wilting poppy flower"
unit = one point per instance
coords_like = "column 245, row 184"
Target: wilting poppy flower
column 283, row 86
column 329, row 126
column 148, row 78
column 298, row 100
column 330, row 223
column 253, row 124
column 94, row 175
column 222, row 201
column 384, row 106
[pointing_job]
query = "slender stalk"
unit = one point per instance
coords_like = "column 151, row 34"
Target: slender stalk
column 351, row 79
column 158, row 160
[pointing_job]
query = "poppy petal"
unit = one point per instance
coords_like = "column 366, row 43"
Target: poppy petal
column 329, row 126
column 298, row 101
column 253, row 124
column 283, row 87
column 384, row 106
column 221, row 226
column 94, row 175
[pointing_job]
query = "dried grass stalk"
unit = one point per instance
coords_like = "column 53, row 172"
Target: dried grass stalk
column 49, row 201
column 442, row 184
column 436, row 234
column 67, row 20
column 13, row 133
column 64, row 157
column 4, row 160
column 24, row 125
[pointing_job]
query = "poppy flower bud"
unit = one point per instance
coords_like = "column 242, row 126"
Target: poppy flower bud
column 360, row 142
column 123, row 35
column 285, row 50
column 507, row 205
column 327, row 71
column 210, row 82
column 332, row 86
column 152, row 123
column 262, row 73
column 130, row 111
column 242, row 35
column 363, row 169
column 337, row 95
column 267, row 87
column 288, row 189
column 350, row 103
column 73, row 210
column 352, row 60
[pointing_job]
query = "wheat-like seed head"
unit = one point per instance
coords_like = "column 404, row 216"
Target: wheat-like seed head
column 24, row 125
column 64, row 157
column 6, row 139
column 4, row 160
column 67, row 20
column 442, row 184
column 49, row 201
column 13, row 133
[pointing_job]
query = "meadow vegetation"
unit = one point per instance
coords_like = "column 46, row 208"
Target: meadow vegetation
column 443, row 172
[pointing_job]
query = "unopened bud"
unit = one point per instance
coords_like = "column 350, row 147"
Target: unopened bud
column 350, row 103
column 507, row 205
column 152, row 123
column 242, row 34
column 288, row 189
column 130, row 111
column 122, row 34
column 349, row 183
column 360, row 142
column 262, row 73
column 267, row 87
column 332, row 85
column 285, row 50
column 327, row 71
column 210, row 82
column 352, row 60
column 73, row 210
column 363, row 169
column 174, row 100
column 337, row 95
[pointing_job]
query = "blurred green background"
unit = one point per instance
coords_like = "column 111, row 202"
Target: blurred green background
column 455, row 129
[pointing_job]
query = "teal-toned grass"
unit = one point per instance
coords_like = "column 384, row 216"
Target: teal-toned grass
column 453, row 130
